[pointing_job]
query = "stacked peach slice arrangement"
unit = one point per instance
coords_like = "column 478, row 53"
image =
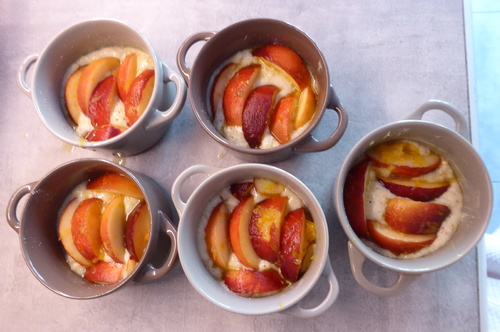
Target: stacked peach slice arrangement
column 263, row 97
column 258, row 237
column 108, row 90
column 105, row 228
column 403, row 197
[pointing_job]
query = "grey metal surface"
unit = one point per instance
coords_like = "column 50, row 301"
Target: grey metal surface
column 385, row 59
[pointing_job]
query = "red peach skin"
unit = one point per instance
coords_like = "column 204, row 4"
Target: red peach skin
column 65, row 235
column 117, row 184
column 139, row 95
column 354, row 202
column 403, row 158
column 236, row 93
column 138, row 231
column 396, row 242
column 251, row 283
column 104, row 273
column 415, row 190
column 288, row 60
column 103, row 133
column 85, row 228
column 239, row 234
column 413, row 217
column 257, row 112
column 94, row 72
column 102, row 101
column 281, row 121
column 293, row 244
column 265, row 227
column 126, row 74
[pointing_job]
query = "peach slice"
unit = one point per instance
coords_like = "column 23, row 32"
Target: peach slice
column 126, row 74
column 94, row 73
column 404, row 158
column 85, row 228
column 113, row 229
column 116, row 184
column 241, row 190
column 70, row 95
column 103, row 133
column 104, row 273
column 281, row 121
column 293, row 244
column 416, row 190
column 279, row 71
column 239, row 234
column 219, row 85
column 138, row 231
column 286, row 59
column 237, row 90
column 250, row 283
column 397, row 242
column 138, row 96
column 130, row 266
column 413, row 217
column 265, row 227
column 354, row 201
column 102, row 101
column 257, row 112
column 65, row 235
column 306, row 107
column 310, row 241
column 267, row 187
column 217, row 236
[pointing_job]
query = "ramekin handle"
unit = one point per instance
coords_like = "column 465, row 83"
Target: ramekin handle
column 11, row 214
column 179, row 204
column 164, row 117
column 357, row 259
column 186, row 45
column 22, row 74
column 152, row 273
column 460, row 122
column 313, row 145
column 330, row 298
